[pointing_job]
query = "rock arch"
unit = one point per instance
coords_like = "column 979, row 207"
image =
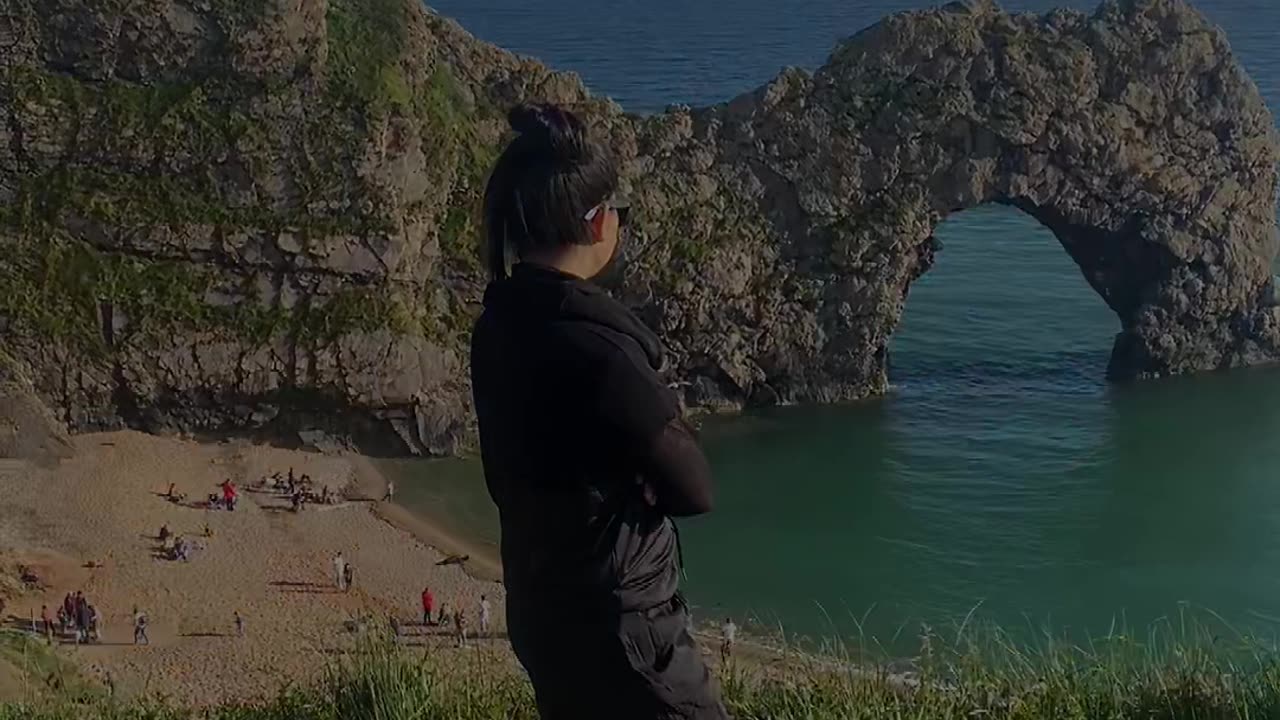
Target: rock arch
column 247, row 218
column 1131, row 133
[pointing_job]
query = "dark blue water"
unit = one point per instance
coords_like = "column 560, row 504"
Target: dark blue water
column 1001, row 473
column 648, row 54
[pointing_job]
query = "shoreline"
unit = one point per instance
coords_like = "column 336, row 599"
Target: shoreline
column 371, row 485
column 478, row 565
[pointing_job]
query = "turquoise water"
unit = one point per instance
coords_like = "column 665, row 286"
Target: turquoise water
column 1001, row 472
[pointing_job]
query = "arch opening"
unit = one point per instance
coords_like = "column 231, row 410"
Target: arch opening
column 1000, row 305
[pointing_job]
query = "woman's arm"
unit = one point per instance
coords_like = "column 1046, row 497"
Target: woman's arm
column 677, row 472
column 646, row 414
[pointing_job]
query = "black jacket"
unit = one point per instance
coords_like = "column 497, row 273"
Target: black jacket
column 574, row 421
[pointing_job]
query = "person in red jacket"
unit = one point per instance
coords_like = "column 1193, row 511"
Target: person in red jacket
column 428, row 604
column 229, row 494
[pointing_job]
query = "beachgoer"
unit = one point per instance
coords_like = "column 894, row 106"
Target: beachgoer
column 484, row 616
column 428, row 604
column 460, row 627
column 95, row 624
column 164, row 532
column 728, row 636
column 566, row 385
column 290, row 476
column 47, row 621
column 340, row 570
column 229, row 494
column 239, row 620
column 69, row 607
column 443, row 618
column 140, row 627
column 348, row 577
column 83, row 620
column 391, row 491
column 169, row 493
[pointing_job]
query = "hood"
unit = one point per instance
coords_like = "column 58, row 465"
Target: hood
column 538, row 294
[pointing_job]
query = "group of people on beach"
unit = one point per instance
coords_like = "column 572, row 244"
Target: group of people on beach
column 178, row 547
column 227, row 498
column 344, row 578
column 299, row 489
column 344, row 573
column 76, row 613
column 459, row 616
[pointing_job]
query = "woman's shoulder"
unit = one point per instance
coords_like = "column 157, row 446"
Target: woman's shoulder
column 596, row 341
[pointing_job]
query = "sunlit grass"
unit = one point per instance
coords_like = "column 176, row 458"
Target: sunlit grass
column 1181, row 668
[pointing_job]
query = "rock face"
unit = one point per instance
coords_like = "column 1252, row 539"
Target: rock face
column 240, row 215
column 28, row 431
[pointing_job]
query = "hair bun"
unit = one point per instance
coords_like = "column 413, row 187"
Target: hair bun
column 549, row 128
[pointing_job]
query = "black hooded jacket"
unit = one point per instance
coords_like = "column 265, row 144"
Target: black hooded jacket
column 574, row 423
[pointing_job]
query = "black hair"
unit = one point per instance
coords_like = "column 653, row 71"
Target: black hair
column 544, row 183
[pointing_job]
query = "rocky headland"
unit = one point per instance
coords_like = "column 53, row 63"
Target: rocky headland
column 260, row 216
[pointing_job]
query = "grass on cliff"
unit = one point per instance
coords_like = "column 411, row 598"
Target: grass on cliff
column 1177, row 671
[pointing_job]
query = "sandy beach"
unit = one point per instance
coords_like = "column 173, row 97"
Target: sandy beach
column 90, row 523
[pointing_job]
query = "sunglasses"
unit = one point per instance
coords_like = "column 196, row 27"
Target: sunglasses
column 623, row 210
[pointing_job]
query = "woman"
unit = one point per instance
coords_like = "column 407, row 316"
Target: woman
column 585, row 451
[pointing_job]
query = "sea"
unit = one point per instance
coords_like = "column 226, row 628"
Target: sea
column 1002, row 481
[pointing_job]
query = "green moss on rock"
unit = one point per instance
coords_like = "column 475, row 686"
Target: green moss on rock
column 152, row 214
column 366, row 39
column 61, row 288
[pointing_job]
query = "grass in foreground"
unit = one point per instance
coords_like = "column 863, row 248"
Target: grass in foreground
column 1168, row 675
column 30, row 668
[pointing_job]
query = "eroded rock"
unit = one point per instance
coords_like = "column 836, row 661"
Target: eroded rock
column 260, row 216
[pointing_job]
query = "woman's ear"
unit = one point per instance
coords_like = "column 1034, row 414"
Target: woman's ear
column 597, row 226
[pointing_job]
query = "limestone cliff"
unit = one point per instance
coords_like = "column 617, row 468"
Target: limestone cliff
column 233, row 215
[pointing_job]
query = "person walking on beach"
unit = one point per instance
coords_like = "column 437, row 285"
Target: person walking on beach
column 47, row 621
column 340, row 571
column 82, row 619
column 95, row 624
column 484, row 616
column 391, row 491
column 68, row 616
column 140, row 627
column 585, row 449
column 460, row 627
column 428, row 604
column 728, row 635
column 348, row 577
column 239, row 621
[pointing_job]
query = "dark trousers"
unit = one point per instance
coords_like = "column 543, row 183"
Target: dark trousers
column 632, row 666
